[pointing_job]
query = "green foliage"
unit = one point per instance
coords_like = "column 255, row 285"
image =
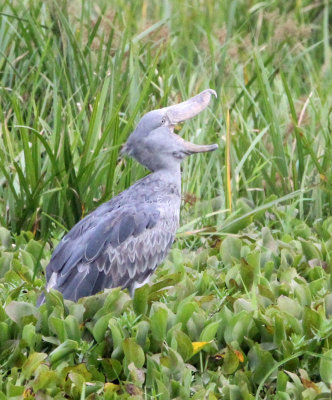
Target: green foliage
column 242, row 307
column 76, row 77
column 230, row 333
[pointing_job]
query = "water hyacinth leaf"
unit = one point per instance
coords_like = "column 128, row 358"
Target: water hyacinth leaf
column 54, row 299
column 116, row 301
column 63, row 350
column 117, row 335
column 5, row 263
column 14, row 391
column 328, row 305
column 170, row 280
column 260, row 362
column 3, row 314
column 92, row 304
column 230, row 362
column 133, row 352
column 163, row 390
column 159, row 322
column 28, row 335
column 316, row 286
column 77, row 379
column 238, row 327
column 17, row 310
column 27, row 259
column 5, row 238
column 290, row 306
column 230, row 250
column 198, row 346
column 311, row 322
column 325, row 367
column 57, row 325
column 32, row 363
column 185, row 311
column 247, row 275
column 100, row 327
column 45, row 379
column 268, row 241
column 184, row 346
column 279, row 330
column 209, row 332
column 142, row 333
column 282, row 380
column 310, row 251
column 80, row 369
column 303, row 295
column 140, row 300
column 110, row 389
column 137, row 375
column 4, row 332
column 112, row 368
column 72, row 328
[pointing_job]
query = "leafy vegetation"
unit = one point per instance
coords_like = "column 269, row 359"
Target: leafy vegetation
column 242, row 307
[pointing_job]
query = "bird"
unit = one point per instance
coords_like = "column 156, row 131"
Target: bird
column 122, row 242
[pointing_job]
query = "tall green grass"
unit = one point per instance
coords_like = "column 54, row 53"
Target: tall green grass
column 76, row 77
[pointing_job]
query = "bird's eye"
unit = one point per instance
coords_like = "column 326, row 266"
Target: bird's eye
column 163, row 121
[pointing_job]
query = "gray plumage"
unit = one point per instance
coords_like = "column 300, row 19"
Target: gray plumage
column 122, row 242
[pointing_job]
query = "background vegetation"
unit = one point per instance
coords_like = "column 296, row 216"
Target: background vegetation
column 242, row 308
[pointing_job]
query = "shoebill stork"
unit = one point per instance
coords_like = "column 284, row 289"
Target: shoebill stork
column 122, row 242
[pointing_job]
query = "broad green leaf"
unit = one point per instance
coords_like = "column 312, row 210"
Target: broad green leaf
column 45, row 379
column 112, row 368
column 140, row 300
column 28, row 334
column 328, row 305
column 230, row 250
column 4, row 332
column 325, row 367
column 184, row 346
column 14, row 391
column 185, row 311
column 66, row 348
column 58, row 327
column 209, row 332
column 230, row 362
column 117, row 335
column 72, row 328
column 101, row 326
column 311, row 322
column 5, row 238
column 16, row 310
column 260, row 362
column 159, row 322
column 32, row 363
column 198, row 346
column 133, row 353
column 238, row 327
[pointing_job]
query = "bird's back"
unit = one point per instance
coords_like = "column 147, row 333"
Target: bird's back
column 120, row 243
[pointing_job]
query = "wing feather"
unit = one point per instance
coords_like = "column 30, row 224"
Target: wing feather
column 110, row 249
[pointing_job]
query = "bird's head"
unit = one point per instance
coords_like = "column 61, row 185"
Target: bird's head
column 154, row 143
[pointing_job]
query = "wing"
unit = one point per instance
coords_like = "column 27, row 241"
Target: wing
column 110, row 249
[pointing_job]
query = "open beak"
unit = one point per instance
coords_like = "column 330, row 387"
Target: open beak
column 186, row 110
column 189, row 108
column 191, row 148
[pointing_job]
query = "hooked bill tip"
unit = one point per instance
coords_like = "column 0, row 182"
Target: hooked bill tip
column 213, row 92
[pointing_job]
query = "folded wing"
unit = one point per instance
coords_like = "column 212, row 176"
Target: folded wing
column 121, row 247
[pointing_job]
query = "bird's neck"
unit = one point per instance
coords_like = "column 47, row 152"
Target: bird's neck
column 170, row 175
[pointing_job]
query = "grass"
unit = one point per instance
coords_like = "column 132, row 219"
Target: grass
column 251, row 266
